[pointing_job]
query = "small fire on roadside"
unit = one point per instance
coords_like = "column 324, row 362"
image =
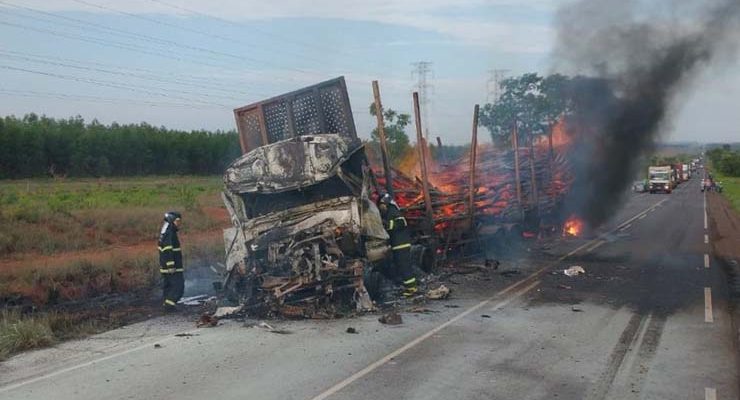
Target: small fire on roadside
column 573, row 226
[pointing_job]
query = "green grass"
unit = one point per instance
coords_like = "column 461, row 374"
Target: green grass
column 20, row 332
column 730, row 189
column 47, row 216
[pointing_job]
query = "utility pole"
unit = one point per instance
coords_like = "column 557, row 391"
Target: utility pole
column 493, row 84
column 422, row 70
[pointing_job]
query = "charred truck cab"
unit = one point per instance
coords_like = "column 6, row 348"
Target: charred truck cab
column 305, row 232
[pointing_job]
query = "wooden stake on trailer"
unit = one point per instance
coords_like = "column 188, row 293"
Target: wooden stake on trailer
column 515, row 144
column 421, row 144
column 473, row 155
column 383, row 143
column 535, row 195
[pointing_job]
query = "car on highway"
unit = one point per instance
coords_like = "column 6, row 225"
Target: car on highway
column 639, row 186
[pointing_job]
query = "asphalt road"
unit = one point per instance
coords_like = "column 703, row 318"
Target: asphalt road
column 649, row 320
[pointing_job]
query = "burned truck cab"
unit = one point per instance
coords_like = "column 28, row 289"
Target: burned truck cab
column 305, row 232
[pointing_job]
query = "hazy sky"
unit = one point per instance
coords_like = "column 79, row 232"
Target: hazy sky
column 187, row 64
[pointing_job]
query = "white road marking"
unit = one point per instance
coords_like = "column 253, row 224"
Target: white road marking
column 92, row 362
column 592, row 248
column 710, row 394
column 372, row 367
column 705, row 211
column 708, row 315
column 706, row 260
column 626, row 227
column 643, row 216
column 167, row 339
column 706, row 239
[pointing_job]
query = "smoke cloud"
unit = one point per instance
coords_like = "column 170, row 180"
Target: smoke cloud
column 633, row 59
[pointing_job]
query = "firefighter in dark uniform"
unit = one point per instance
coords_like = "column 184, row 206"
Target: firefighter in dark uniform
column 401, row 271
column 170, row 260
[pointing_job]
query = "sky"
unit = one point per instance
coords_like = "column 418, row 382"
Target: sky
column 187, row 64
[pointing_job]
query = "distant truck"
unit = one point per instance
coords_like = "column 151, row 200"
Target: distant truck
column 661, row 179
column 686, row 173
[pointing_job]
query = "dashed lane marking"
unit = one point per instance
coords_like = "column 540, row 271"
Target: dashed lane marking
column 625, row 227
column 706, row 239
column 706, row 260
column 642, row 216
column 710, row 394
column 708, row 315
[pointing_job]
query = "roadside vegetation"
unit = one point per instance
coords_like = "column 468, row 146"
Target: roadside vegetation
column 726, row 169
column 37, row 146
column 73, row 241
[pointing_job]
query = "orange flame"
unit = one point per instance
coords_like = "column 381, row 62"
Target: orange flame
column 573, row 226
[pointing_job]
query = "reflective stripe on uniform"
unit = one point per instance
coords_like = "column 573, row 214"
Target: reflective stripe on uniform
column 176, row 249
column 165, row 248
column 168, row 263
column 390, row 225
column 179, row 270
column 169, row 302
column 167, row 270
column 401, row 246
column 411, row 281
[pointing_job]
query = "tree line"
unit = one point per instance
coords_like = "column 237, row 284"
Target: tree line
column 725, row 160
column 38, row 146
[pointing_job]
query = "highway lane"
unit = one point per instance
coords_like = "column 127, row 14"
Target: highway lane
column 649, row 320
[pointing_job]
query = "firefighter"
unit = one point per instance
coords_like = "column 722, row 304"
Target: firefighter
column 401, row 271
column 170, row 260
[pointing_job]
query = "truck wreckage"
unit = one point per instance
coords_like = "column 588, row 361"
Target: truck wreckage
column 308, row 240
column 305, row 232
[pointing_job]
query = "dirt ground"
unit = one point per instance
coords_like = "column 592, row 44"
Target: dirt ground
column 724, row 228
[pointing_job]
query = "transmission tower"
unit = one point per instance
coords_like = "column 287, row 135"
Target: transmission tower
column 422, row 70
column 493, row 84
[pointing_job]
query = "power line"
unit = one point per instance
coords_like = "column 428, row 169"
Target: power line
column 332, row 51
column 160, row 22
column 97, row 99
column 128, row 74
column 493, row 84
column 110, row 84
column 149, row 39
column 422, row 69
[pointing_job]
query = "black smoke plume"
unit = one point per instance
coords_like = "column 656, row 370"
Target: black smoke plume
column 633, row 59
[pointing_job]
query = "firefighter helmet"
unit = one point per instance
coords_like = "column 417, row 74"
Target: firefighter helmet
column 171, row 216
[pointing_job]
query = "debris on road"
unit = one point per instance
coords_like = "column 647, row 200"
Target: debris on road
column 391, row 318
column 271, row 329
column 157, row 346
column 196, row 300
column 574, row 271
column 566, row 287
column 223, row 312
column 422, row 310
column 451, row 306
column 352, row 330
column 442, row 292
column 485, row 316
column 185, row 334
column 207, row 321
column 576, row 309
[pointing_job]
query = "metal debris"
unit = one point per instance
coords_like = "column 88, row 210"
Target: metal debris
column 206, row 320
column 442, row 292
column 574, row 271
column 352, row 330
column 391, row 318
column 271, row 329
column 223, row 312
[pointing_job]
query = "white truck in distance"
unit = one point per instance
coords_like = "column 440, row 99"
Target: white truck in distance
column 660, row 179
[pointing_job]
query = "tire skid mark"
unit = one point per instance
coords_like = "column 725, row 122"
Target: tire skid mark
column 616, row 358
column 645, row 354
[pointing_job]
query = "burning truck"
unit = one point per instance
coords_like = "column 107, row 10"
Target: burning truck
column 305, row 232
